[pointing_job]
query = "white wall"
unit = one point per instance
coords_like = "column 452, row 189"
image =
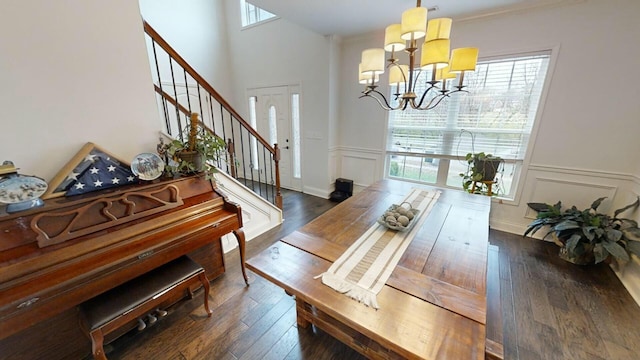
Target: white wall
column 196, row 29
column 586, row 144
column 281, row 53
column 73, row 71
column 360, row 155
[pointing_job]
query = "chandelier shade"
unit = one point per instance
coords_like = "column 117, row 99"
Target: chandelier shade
column 414, row 23
column 364, row 78
column 438, row 29
column 444, row 73
column 435, row 56
column 435, row 52
column 373, row 61
column 464, row 59
column 393, row 38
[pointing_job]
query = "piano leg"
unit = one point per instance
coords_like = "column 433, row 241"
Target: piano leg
column 205, row 285
column 97, row 338
column 241, row 244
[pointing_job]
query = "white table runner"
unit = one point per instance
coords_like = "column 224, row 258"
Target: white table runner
column 363, row 269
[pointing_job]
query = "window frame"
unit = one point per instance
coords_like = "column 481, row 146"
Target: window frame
column 521, row 173
column 243, row 10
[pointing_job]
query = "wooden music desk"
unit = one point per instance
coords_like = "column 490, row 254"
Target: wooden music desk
column 434, row 304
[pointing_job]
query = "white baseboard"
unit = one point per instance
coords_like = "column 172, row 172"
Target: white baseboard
column 322, row 193
column 508, row 227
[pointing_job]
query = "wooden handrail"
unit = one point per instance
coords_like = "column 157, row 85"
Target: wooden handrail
column 173, row 101
column 183, row 109
column 200, row 80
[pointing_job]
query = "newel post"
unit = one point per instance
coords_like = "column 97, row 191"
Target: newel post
column 276, row 159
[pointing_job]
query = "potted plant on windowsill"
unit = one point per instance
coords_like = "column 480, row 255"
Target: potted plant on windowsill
column 195, row 152
column 481, row 172
column 586, row 236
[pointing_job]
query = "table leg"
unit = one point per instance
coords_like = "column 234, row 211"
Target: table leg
column 300, row 310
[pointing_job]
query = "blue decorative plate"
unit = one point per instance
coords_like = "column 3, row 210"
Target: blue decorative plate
column 20, row 188
column 147, row 166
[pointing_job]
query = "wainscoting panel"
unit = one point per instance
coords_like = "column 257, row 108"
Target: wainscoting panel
column 363, row 166
column 359, row 169
column 570, row 192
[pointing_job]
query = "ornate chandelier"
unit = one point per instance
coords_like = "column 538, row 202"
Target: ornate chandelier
column 434, row 57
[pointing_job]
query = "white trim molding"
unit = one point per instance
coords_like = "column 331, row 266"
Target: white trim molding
column 258, row 215
column 584, row 172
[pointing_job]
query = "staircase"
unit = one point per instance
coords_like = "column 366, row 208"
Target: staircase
column 181, row 91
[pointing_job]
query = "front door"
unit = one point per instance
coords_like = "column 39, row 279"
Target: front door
column 274, row 115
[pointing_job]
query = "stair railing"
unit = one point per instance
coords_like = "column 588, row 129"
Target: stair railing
column 180, row 91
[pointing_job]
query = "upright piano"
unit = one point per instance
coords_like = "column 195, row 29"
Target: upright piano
column 57, row 256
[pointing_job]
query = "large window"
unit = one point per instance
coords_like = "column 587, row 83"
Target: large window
column 252, row 14
column 496, row 116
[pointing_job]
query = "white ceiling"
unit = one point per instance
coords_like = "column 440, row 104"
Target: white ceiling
column 351, row 17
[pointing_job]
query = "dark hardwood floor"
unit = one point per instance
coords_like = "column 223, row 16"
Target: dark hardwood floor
column 550, row 309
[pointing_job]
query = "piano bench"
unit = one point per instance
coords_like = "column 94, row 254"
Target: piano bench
column 136, row 298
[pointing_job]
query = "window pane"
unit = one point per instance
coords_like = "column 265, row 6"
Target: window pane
column 413, row 168
column 273, row 126
column 252, row 14
column 295, row 121
column 456, row 167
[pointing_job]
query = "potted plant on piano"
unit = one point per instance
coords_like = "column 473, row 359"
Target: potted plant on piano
column 195, row 152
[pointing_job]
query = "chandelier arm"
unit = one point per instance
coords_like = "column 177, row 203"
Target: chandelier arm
column 383, row 106
column 418, row 72
column 431, row 105
column 394, row 62
column 407, row 102
column 439, row 98
column 401, row 105
column 424, row 95
column 386, row 105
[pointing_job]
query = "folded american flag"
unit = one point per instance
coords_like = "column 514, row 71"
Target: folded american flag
column 97, row 171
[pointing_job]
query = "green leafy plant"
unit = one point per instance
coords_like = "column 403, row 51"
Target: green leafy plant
column 196, row 151
column 480, row 167
column 586, row 236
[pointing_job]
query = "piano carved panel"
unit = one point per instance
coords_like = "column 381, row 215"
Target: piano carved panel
column 56, row 227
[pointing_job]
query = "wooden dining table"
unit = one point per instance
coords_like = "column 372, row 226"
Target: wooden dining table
column 434, row 304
